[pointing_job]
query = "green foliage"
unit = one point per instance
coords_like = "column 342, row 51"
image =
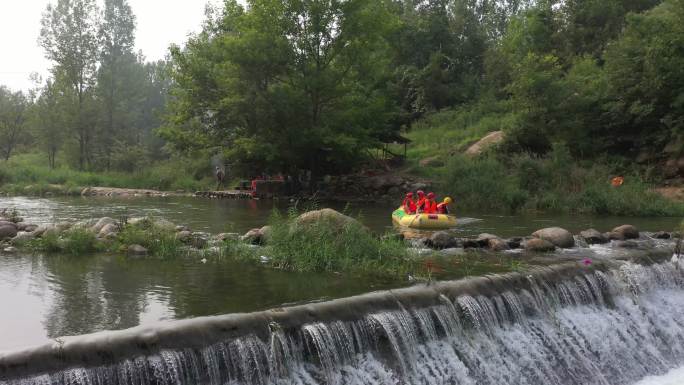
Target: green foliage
column 324, row 246
column 76, row 241
column 159, row 242
column 552, row 183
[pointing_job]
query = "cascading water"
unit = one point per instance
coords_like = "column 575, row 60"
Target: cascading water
column 595, row 326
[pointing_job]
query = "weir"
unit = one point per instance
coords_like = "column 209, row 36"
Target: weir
column 610, row 323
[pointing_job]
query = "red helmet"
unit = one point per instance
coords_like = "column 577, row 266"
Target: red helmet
column 431, row 195
column 420, row 193
column 409, row 195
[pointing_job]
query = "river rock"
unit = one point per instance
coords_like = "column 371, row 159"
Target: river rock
column 101, row 223
column 23, row 236
column 8, row 223
column 7, row 231
column 182, row 228
column 483, row 239
column 538, row 245
column 109, row 230
column 136, row 251
column 184, row 236
column 593, row 237
column 254, row 237
column 140, row 222
column 164, row 225
column 661, row 235
column 626, row 231
column 452, row 251
column 331, row 216
column 442, row 240
column 557, row 236
column 629, row 244
column 469, row 243
column 223, row 237
column 514, row 243
column 497, row 244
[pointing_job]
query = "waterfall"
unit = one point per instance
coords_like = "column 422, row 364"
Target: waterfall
column 575, row 325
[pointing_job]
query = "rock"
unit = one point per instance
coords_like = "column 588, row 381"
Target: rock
column 227, row 237
column 184, row 236
column 538, row 245
column 627, row 231
column 136, row 251
column 593, row 237
column 109, row 230
column 452, row 251
column 626, row 244
column 102, row 222
column 163, row 224
column 514, row 243
column 433, row 161
column 21, row 226
column 469, row 243
column 442, row 240
column 10, row 249
column 266, row 232
column 497, row 244
column 557, row 236
column 253, row 237
column 661, row 235
column 485, row 143
column 23, row 236
column 141, row 222
column 8, row 223
column 198, row 240
column 331, row 216
column 483, row 239
column 182, row 229
column 612, row 236
column 7, row 231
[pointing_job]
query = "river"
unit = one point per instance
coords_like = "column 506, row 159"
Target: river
column 47, row 296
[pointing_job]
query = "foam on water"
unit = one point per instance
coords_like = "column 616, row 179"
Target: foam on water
column 595, row 327
column 673, row 377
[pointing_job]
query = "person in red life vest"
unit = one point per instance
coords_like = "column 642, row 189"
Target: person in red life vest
column 420, row 203
column 409, row 205
column 443, row 208
column 430, row 204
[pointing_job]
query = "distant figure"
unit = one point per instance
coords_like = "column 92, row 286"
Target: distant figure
column 220, row 177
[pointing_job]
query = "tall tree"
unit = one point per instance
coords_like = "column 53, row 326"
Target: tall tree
column 52, row 113
column 69, row 37
column 115, row 80
column 13, row 114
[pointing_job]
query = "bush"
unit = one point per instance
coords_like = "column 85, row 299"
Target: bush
column 324, row 246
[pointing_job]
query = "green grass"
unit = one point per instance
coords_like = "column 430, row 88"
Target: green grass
column 159, row 242
column 324, row 246
column 76, row 241
column 28, row 174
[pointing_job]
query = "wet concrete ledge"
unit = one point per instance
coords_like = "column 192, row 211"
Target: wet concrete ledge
column 110, row 347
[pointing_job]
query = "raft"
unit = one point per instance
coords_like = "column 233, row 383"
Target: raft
column 423, row 221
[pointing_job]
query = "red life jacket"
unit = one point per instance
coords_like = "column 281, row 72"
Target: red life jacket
column 430, row 206
column 421, row 205
column 443, row 208
column 409, row 206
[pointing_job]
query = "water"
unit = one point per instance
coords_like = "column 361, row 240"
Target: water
column 613, row 327
column 217, row 216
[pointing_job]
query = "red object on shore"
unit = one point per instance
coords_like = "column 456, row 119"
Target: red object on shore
column 617, row 181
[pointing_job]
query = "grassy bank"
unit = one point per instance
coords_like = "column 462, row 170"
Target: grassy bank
column 500, row 180
column 28, row 174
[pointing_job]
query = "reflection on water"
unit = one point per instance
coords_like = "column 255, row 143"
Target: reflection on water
column 50, row 296
column 241, row 215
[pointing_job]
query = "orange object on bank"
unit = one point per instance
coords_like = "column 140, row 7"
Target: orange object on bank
column 617, row 181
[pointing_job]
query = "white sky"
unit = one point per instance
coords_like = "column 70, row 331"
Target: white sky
column 160, row 23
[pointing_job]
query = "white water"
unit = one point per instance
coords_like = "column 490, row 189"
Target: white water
column 595, row 328
column 673, row 377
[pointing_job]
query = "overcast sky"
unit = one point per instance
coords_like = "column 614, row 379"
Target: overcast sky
column 160, row 23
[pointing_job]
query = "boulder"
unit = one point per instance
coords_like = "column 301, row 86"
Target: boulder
column 538, row 245
column 254, row 237
column 165, row 225
column 593, row 237
column 626, row 244
column 7, row 231
column 8, row 223
column 497, row 244
column 442, row 240
column 141, row 222
column 483, row 239
column 469, row 243
column 558, row 236
column 626, row 231
column 108, row 230
column 514, row 243
column 136, row 251
column 184, row 236
column 182, row 229
column 102, row 222
column 485, row 143
column 433, row 161
column 331, row 216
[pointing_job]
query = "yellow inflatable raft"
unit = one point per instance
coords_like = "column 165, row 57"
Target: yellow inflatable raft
column 423, row 221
